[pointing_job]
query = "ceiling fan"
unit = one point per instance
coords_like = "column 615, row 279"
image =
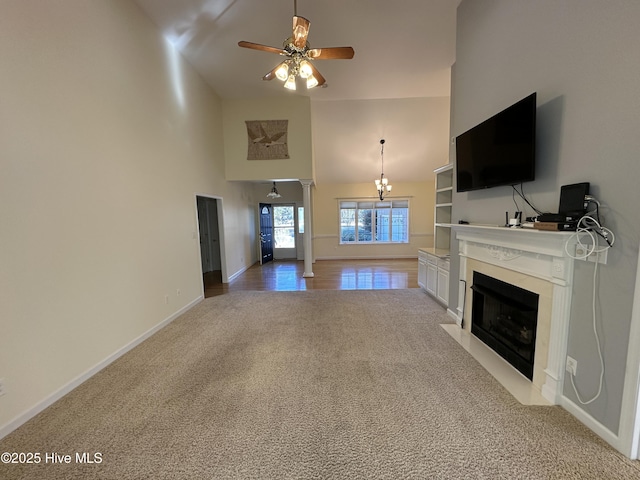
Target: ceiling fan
column 299, row 55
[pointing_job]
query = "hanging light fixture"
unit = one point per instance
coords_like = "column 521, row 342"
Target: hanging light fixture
column 274, row 192
column 290, row 69
column 382, row 184
column 299, row 56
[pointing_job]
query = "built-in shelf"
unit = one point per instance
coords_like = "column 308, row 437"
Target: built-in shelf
column 433, row 263
column 443, row 204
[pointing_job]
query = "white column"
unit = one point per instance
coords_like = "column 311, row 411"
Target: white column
column 629, row 430
column 558, row 340
column 306, row 236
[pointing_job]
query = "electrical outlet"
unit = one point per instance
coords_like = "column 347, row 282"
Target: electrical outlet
column 166, row 299
column 3, row 389
column 572, row 365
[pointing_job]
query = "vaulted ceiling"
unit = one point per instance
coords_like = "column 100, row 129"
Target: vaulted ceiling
column 403, row 49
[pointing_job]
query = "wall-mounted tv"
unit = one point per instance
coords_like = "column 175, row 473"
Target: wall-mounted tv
column 499, row 151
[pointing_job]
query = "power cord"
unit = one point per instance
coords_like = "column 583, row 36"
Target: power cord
column 595, row 333
column 591, row 227
column 513, row 197
column 522, row 195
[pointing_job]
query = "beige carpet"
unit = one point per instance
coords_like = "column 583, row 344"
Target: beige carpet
column 308, row 385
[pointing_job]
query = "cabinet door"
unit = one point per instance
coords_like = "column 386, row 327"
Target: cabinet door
column 422, row 273
column 443, row 286
column 432, row 278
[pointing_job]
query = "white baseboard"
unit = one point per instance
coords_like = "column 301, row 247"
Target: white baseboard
column 453, row 315
column 62, row 391
column 377, row 257
column 238, row 273
column 590, row 422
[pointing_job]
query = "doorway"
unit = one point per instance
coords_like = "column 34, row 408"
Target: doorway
column 209, row 233
column 284, row 232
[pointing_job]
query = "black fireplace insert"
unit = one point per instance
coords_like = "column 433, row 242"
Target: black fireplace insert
column 505, row 317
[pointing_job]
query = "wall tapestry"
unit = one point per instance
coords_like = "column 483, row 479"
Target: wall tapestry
column 267, row 139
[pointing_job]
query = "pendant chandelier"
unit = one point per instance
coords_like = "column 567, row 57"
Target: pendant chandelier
column 382, row 183
column 274, row 192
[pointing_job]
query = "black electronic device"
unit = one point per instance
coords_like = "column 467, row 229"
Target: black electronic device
column 572, row 201
column 500, row 150
column 550, row 217
column 572, row 204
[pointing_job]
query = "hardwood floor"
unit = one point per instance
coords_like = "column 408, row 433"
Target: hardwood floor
column 281, row 275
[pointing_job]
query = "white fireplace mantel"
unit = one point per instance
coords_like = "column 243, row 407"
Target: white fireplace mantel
column 533, row 253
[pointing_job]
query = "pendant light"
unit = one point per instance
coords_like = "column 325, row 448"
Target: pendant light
column 382, row 183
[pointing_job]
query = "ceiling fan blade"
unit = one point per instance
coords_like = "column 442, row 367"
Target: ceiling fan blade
column 272, row 74
column 300, row 31
column 264, row 48
column 331, row 53
column 318, row 76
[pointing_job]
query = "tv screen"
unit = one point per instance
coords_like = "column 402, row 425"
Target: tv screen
column 499, row 151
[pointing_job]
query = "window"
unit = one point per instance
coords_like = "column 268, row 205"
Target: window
column 300, row 219
column 374, row 222
column 283, row 227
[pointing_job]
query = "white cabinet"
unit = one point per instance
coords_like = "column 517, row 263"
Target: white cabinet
column 442, row 292
column 433, row 273
column 432, row 279
column 422, row 269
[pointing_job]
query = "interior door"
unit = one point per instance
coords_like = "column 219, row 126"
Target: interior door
column 203, row 224
column 266, row 233
column 209, row 234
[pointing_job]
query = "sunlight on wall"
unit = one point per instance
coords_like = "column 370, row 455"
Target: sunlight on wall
column 175, row 72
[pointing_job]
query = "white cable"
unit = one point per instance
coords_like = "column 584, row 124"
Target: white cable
column 590, row 224
column 595, row 333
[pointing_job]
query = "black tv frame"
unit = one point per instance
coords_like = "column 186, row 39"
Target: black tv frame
column 499, row 151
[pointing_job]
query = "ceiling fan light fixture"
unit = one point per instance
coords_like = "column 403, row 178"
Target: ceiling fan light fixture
column 305, row 69
column 299, row 55
column 282, row 72
column 312, row 81
column 290, row 83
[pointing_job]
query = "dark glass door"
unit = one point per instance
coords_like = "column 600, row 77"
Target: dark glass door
column 266, row 233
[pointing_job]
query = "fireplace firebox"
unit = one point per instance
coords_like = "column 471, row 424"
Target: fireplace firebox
column 504, row 317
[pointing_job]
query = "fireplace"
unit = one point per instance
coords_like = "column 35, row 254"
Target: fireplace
column 504, row 317
column 534, row 260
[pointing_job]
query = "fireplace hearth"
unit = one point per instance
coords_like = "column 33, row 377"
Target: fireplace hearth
column 504, row 317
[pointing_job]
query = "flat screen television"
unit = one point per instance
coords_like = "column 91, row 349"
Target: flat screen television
column 499, row 151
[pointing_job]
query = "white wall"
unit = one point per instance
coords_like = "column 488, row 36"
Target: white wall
column 106, row 137
column 295, row 109
column 583, row 59
column 347, row 134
